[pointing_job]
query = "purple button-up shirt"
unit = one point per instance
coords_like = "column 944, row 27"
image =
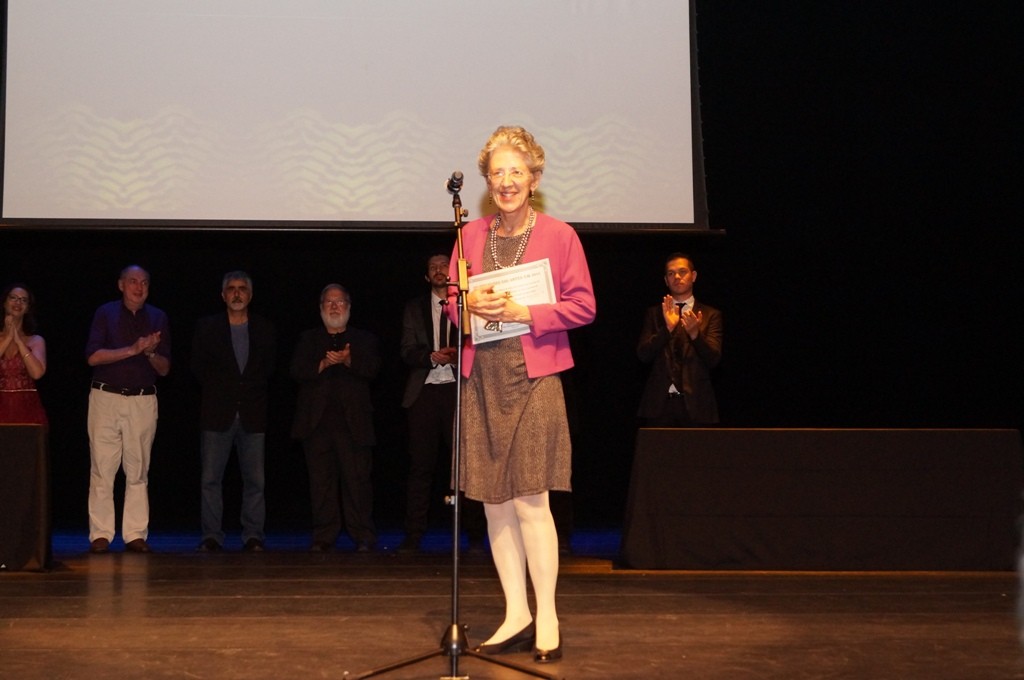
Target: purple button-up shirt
column 113, row 326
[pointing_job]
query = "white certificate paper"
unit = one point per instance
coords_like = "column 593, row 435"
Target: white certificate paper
column 527, row 284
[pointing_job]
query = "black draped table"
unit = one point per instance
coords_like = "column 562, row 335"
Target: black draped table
column 824, row 499
column 24, row 498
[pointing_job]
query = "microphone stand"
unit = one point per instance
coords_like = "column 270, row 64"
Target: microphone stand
column 454, row 643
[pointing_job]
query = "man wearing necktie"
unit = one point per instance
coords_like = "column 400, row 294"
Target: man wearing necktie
column 429, row 349
column 682, row 340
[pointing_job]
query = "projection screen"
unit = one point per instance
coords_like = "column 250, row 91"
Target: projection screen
column 304, row 114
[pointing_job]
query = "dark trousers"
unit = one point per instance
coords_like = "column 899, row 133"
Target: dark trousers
column 337, row 464
column 431, row 425
column 214, row 450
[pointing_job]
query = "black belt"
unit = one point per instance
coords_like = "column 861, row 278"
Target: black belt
column 674, row 395
column 124, row 391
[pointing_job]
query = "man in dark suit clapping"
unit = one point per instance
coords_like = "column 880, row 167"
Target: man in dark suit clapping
column 429, row 349
column 334, row 365
column 682, row 340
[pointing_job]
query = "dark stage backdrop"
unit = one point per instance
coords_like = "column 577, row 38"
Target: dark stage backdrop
column 782, row 367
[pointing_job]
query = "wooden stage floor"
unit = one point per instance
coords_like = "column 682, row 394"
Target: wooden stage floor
column 290, row 614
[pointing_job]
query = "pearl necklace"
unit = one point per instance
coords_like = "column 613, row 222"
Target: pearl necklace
column 522, row 240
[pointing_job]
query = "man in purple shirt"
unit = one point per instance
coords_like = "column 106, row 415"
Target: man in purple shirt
column 129, row 346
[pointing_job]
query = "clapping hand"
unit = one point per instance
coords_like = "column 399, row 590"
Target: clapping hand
column 689, row 319
column 339, row 356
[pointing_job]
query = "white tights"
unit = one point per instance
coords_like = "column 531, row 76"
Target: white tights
column 522, row 533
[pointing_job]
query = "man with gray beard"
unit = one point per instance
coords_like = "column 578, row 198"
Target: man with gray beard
column 334, row 365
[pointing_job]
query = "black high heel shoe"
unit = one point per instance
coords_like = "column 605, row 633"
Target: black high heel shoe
column 548, row 655
column 520, row 642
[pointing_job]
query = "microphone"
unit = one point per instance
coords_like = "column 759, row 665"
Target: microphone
column 454, row 183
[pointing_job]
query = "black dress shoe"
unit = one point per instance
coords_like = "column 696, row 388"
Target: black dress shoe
column 520, row 642
column 548, row 655
column 139, row 545
column 365, row 547
column 410, row 544
column 320, row 547
column 253, row 545
column 100, row 546
column 209, row 545
column 477, row 546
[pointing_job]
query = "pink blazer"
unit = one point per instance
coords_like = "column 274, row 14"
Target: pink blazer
column 546, row 346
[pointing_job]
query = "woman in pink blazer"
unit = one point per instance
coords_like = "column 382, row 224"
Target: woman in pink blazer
column 515, row 436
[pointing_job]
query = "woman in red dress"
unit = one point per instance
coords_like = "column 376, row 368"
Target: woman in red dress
column 22, row 359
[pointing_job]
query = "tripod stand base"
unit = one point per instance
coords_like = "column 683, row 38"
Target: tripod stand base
column 454, row 645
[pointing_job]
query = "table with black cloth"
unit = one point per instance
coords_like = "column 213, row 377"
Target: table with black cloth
column 824, row 499
column 25, row 538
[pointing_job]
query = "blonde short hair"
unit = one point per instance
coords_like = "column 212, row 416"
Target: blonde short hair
column 517, row 138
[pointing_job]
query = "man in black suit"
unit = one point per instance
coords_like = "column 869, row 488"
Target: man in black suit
column 682, row 340
column 429, row 349
column 233, row 356
column 334, row 365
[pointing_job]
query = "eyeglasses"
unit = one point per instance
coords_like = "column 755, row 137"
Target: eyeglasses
column 336, row 303
column 516, row 175
column 672, row 273
column 15, row 298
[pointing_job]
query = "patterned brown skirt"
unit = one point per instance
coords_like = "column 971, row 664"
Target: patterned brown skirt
column 515, row 436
